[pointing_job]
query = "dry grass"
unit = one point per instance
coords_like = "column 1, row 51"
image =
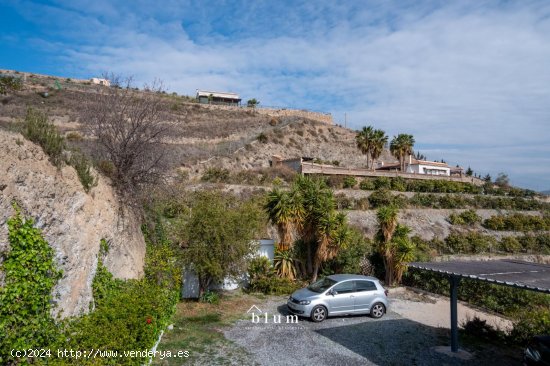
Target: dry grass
column 198, row 329
column 198, row 133
column 233, row 306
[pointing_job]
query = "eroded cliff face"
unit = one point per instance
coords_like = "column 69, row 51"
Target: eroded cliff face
column 72, row 221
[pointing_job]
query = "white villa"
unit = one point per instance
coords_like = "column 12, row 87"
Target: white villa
column 426, row 167
column 99, row 81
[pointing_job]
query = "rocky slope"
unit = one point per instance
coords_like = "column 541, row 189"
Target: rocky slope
column 201, row 136
column 72, row 221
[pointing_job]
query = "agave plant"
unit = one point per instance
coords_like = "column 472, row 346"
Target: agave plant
column 284, row 264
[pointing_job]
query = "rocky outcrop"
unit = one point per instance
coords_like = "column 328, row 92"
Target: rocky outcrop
column 72, row 221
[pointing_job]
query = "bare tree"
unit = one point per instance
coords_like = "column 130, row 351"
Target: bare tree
column 129, row 127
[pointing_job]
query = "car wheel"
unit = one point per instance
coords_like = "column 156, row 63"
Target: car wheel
column 318, row 314
column 377, row 310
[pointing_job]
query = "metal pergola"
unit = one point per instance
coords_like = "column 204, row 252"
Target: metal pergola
column 513, row 273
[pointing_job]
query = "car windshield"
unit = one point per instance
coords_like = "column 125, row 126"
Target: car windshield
column 321, row 285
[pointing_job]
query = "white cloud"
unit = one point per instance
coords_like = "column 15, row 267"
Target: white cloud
column 475, row 74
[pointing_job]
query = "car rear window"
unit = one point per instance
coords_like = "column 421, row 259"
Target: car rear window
column 345, row 287
column 365, row 286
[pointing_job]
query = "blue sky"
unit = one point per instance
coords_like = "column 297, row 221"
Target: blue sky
column 469, row 79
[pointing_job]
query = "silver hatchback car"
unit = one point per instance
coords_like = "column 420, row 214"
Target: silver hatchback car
column 340, row 294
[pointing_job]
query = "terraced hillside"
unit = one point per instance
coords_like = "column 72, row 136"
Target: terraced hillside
column 200, row 136
column 234, row 146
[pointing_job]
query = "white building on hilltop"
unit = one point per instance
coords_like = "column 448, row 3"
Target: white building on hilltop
column 428, row 167
column 99, row 81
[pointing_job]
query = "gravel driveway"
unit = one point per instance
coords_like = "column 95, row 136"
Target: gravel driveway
column 356, row 340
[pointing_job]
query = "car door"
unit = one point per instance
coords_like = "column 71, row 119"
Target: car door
column 342, row 299
column 365, row 293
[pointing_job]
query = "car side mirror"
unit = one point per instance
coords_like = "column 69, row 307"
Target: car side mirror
column 332, row 292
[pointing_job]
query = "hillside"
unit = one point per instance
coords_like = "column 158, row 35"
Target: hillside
column 210, row 148
column 239, row 141
column 200, row 136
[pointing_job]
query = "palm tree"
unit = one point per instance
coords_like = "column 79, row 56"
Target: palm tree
column 364, row 140
column 379, row 141
column 387, row 219
column 332, row 235
column 284, row 211
column 401, row 146
column 403, row 251
column 309, row 210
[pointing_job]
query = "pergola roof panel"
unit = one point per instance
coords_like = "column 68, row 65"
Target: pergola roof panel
column 515, row 273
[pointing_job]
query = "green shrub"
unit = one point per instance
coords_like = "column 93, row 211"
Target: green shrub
column 530, row 323
column 454, row 201
column 106, row 167
column 9, row 84
column 517, row 222
column 510, row 244
column 350, row 182
column 216, row 175
column 362, row 204
column 260, row 266
column 128, row 314
column 274, row 286
column 539, row 244
column 104, row 284
column 426, row 250
column 469, row 217
column 335, row 181
column 501, row 299
column 343, row 202
column 367, row 185
column 129, row 317
column 471, row 242
column 262, row 137
column 350, row 258
column 74, row 136
column 210, row 297
column 41, row 131
column 264, row 279
column 26, row 294
column 474, row 242
column 84, row 170
column 384, row 197
column 398, row 184
column 382, row 183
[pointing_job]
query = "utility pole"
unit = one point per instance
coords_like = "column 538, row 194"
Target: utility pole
column 345, row 120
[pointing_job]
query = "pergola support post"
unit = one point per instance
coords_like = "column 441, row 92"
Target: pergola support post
column 454, row 282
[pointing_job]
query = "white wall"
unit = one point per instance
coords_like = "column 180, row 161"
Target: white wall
column 267, row 249
column 424, row 169
column 190, row 288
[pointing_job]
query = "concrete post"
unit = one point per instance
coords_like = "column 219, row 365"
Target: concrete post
column 454, row 282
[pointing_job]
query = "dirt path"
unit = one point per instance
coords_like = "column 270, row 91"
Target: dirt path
column 434, row 311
